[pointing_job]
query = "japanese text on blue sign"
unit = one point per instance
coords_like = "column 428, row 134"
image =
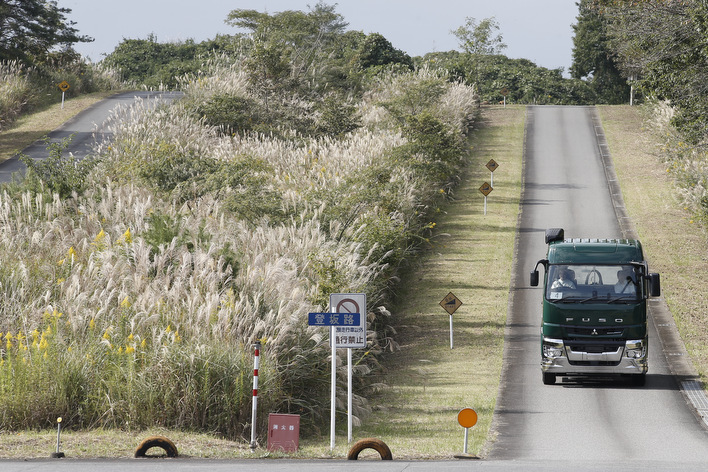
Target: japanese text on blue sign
column 333, row 319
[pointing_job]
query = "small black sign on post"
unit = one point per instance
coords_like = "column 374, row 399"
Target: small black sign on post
column 486, row 189
column 450, row 303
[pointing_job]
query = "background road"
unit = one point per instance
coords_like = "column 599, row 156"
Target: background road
column 87, row 127
column 566, row 186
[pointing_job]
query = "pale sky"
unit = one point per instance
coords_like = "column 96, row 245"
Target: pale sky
column 538, row 30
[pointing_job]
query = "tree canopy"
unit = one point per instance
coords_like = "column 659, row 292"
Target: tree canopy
column 592, row 56
column 663, row 43
column 31, row 29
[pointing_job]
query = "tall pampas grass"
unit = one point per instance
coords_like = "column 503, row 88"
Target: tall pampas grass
column 139, row 305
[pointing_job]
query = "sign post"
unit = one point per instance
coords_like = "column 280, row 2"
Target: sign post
column 486, row 189
column 350, row 337
column 504, row 92
column 450, row 303
column 63, row 86
column 492, row 166
column 336, row 319
column 467, row 418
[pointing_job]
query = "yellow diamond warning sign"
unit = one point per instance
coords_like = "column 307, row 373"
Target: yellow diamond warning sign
column 450, row 303
column 486, row 189
column 64, row 86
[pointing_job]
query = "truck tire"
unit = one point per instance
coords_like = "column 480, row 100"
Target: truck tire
column 549, row 379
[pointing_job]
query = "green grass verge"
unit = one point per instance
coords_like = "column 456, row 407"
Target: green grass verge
column 427, row 383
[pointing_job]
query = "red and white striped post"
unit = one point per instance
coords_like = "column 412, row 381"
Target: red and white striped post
column 254, row 406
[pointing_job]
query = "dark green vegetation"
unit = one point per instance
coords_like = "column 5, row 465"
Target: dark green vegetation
column 314, row 52
column 36, row 54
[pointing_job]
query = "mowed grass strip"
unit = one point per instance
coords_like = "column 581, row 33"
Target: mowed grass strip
column 29, row 128
column 675, row 245
column 471, row 255
column 426, row 383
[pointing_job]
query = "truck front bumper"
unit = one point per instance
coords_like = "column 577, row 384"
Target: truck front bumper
column 568, row 358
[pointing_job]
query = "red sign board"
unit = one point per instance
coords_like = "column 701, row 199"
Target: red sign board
column 283, row 432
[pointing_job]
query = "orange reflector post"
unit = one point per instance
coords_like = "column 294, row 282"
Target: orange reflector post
column 467, row 417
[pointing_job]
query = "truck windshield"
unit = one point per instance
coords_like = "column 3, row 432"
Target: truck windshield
column 592, row 284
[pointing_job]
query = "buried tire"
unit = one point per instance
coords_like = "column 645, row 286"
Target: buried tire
column 156, row 441
column 370, row 443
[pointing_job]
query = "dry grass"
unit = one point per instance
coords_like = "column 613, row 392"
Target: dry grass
column 29, row 128
column 675, row 244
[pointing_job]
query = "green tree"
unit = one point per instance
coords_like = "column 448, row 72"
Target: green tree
column 664, row 44
column 376, row 50
column 592, row 56
column 478, row 39
column 31, row 29
column 479, row 42
column 290, row 42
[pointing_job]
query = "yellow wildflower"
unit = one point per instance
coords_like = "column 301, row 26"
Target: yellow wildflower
column 92, row 323
column 125, row 303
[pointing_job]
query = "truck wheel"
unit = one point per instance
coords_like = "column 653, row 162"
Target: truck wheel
column 549, row 379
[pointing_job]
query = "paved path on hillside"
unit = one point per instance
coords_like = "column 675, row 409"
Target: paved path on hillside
column 84, row 129
column 566, row 186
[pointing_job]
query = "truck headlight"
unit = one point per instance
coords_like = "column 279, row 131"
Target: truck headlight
column 552, row 348
column 635, row 349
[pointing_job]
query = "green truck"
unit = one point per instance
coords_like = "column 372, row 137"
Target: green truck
column 594, row 307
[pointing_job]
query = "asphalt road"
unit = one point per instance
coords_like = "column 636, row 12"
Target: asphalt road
column 85, row 129
column 580, row 423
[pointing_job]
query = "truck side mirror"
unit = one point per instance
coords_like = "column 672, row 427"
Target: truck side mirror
column 654, row 285
column 534, row 278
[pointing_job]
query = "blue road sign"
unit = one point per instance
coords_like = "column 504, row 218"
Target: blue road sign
column 333, row 319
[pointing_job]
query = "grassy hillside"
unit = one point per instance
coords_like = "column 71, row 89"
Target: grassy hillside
column 668, row 226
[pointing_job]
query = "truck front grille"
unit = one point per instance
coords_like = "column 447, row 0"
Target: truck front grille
column 594, row 331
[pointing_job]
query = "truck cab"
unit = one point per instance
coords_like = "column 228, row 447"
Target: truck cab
column 594, row 307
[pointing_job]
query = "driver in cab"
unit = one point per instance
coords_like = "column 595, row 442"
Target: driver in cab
column 564, row 280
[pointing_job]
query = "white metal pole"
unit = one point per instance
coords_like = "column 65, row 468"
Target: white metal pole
column 467, row 430
column 254, row 405
column 349, row 395
column 334, row 388
column 451, row 346
column 485, row 204
column 62, row 100
column 492, row 179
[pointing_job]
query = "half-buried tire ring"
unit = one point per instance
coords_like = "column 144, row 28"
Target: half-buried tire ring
column 370, row 443
column 156, row 441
